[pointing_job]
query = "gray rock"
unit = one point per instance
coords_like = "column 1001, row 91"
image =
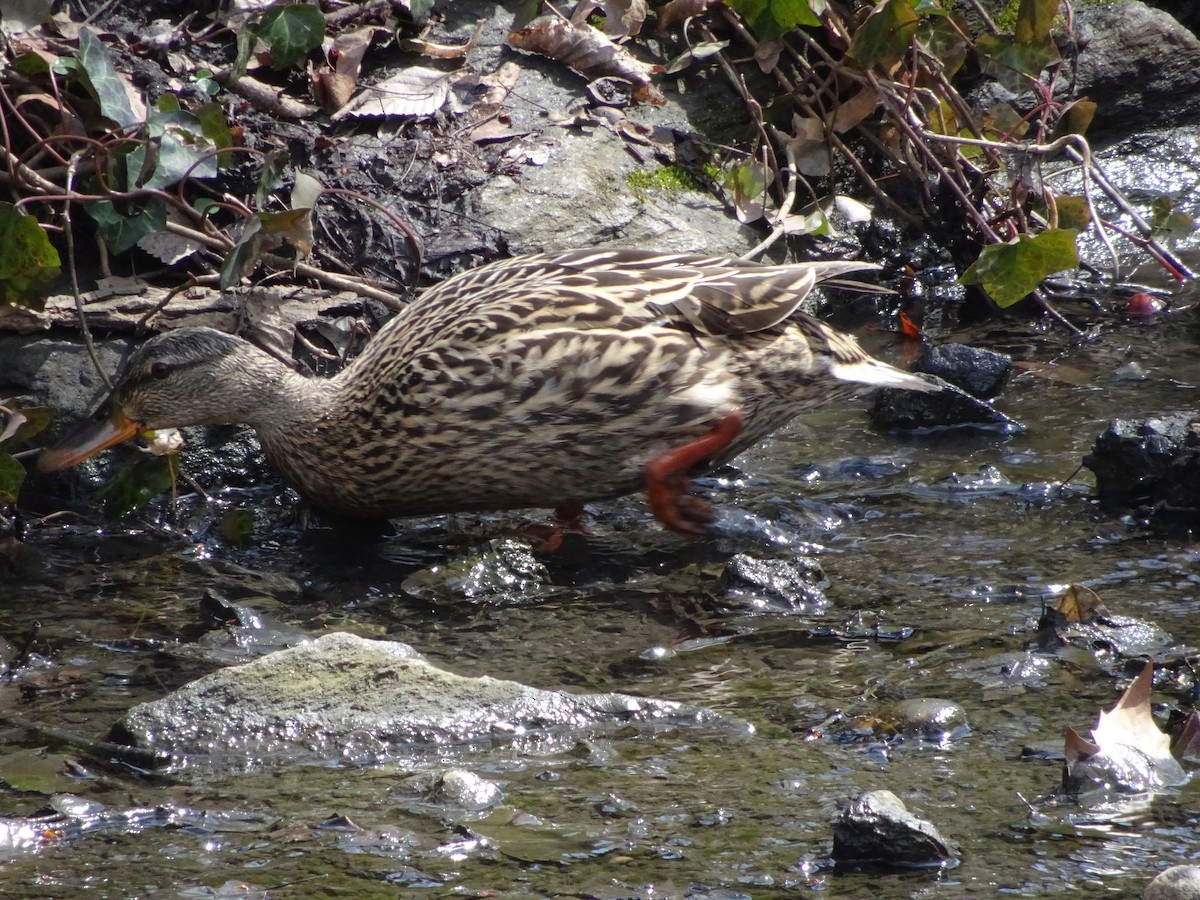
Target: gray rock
column 1176, row 883
column 341, row 697
column 1140, row 65
column 877, row 829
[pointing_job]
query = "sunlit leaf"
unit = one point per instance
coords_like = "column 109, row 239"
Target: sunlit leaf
column 136, row 486
column 28, row 261
column 1076, row 118
column 588, row 52
column 1080, row 604
column 1034, row 19
column 1168, row 221
column 177, row 147
column 215, row 127
column 12, row 476
column 290, row 32
column 1014, row 64
column 1009, row 272
column 27, row 423
column 770, row 19
column 886, row 36
column 1072, row 212
column 943, row 37
column 110, row 88
column 747, row 182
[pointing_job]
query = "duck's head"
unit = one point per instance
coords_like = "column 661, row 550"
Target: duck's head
column 179, row 378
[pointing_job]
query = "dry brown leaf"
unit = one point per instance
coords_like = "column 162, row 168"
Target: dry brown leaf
column 622, row 18
column 1127, row 733
column 588, row 52
column 415, row 91
column 680, row 10
column 1081, row 604
column 854, row 110
column 499, row 84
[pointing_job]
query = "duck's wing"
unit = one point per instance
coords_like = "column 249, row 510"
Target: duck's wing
column 624, row 288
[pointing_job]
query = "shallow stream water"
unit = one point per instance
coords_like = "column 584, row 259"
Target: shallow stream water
column 940, row 551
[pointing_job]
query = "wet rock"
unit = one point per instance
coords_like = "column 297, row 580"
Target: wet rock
column 877, row 829
column 1140, row 65
column 775, row 585
column 342, row 697
column 457, row 788
column 499, row 571
column 981, row 373
column 1176, row 883
column 973, row 376
column 1151, row 468
column 931, row 718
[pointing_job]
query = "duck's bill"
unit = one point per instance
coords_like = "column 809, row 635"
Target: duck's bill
column 87, row 440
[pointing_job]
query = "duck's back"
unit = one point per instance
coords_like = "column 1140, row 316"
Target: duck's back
column 554, row 378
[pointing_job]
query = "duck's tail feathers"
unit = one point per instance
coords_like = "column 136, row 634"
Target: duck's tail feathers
column 878, row 374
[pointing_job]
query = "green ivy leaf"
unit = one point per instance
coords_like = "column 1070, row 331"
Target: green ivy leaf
column 771, row 18
column 123, row 229
column 1034, row 20
column 177, row 147
column 215, row 127
column 28, row 261
column 1009, row 272
column 942, row 36
column 747, row 182
column 37, row 418
column 290, row 32
column 1072, row 212
column 1167, row 221
column 886, row 36
column 12, row 476
column 104, row 81
column 136, row 486
column 237, row 526
column 1014, row 64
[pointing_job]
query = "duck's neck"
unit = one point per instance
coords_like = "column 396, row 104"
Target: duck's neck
column 271, row 398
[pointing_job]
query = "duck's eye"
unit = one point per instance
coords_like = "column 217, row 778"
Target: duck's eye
column 160, row 370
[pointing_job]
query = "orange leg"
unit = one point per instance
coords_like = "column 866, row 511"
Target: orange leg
column 667, row 484
column 549, row 535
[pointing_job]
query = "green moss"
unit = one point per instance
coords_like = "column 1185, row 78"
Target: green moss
column 668, row 179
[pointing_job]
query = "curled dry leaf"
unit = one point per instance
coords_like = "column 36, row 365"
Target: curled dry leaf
column 1135, row 753
column 588, row 52
column 415, row 91
column 680, row 10
column 622, row 18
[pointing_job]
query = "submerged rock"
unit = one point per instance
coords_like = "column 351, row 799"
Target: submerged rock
column 1176, row 883
column 877, row 829
column 775, row 585
column 342, row 697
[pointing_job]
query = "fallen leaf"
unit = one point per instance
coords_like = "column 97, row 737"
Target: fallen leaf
column 622, row 18
column 680, row 10
column 415, row 91
column 588, row 52
column 1127, row 751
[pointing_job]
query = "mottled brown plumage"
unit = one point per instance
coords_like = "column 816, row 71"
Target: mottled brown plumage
column 539, row 381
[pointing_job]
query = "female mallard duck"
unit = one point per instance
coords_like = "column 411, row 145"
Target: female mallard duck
column 541, row 381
